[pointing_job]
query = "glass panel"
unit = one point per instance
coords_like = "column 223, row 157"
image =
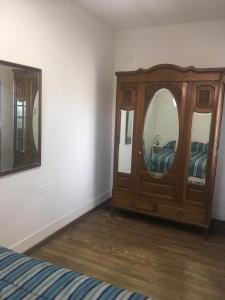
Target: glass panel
column 126, row 139
column 201, row 124
column 161, row 133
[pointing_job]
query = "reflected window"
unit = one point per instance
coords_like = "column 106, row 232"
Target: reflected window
column 201, row 124
column 126, row 139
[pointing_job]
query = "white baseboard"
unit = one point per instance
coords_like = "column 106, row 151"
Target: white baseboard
column 38, row 236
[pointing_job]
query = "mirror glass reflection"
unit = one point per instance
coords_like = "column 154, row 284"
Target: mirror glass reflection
column 19, row 117
column 161, row 132
column 126, row 140
column 201, row 124
column 35, row 120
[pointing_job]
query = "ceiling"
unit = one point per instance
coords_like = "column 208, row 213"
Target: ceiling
column 124, row 14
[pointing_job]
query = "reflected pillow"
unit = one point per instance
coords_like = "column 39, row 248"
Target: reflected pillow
column 170, row 145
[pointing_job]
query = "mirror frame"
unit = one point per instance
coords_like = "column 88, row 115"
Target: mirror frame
column 39, row 72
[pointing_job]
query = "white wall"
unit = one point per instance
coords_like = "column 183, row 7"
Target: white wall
column 199, row 44
column 75, row 52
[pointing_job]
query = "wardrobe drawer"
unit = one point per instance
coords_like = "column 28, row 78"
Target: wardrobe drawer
column 145, row 206
column 183, row 215
column 123, row 181
column 121, row 202
column 142, row 205
column 168, row 212
column 191, row 216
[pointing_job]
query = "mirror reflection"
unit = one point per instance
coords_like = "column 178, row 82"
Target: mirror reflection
column 126, row 139
column 35, row 119
column 161, row 132
column 201, row 124
column 19, row 117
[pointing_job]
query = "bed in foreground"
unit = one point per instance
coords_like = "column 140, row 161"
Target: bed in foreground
column 22, row 277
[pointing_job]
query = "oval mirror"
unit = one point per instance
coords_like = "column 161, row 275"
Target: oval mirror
column 161, row 133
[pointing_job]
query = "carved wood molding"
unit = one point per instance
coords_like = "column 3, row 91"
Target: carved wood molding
column 174, row 67
column 152, row 88
column 128, row 94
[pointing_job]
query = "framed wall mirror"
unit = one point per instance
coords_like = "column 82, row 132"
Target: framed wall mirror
column 20, row 117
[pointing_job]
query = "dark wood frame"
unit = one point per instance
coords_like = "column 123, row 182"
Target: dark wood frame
column 39, row 71
column 131, row 90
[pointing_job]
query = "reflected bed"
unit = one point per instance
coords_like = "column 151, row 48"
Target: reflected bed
column 161, row 162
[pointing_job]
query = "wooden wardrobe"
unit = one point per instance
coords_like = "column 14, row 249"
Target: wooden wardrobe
column 166, row 142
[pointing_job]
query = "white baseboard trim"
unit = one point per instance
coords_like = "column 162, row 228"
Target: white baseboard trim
column 43, row 233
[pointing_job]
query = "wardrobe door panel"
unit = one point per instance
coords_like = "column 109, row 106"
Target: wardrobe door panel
column 160, row 144
column 202, row 125
column 123, row 181
column 158, row 188
column 125, row 116
column 195, row 196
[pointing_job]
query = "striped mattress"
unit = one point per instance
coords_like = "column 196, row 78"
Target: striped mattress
column 22, row 277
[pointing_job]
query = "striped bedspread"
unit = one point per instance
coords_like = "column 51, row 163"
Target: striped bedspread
column 22, row 277
column 198, row 164
column 162, row 161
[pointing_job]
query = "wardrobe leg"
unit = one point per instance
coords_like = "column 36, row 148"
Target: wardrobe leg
column 206, row 233
column 112, row 212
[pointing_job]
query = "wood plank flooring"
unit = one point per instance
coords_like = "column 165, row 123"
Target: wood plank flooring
column 166, row 261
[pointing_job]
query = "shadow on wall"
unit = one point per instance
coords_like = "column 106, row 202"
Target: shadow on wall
column 103, row 129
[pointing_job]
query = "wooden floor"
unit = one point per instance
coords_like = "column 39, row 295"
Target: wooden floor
column 143, row 255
